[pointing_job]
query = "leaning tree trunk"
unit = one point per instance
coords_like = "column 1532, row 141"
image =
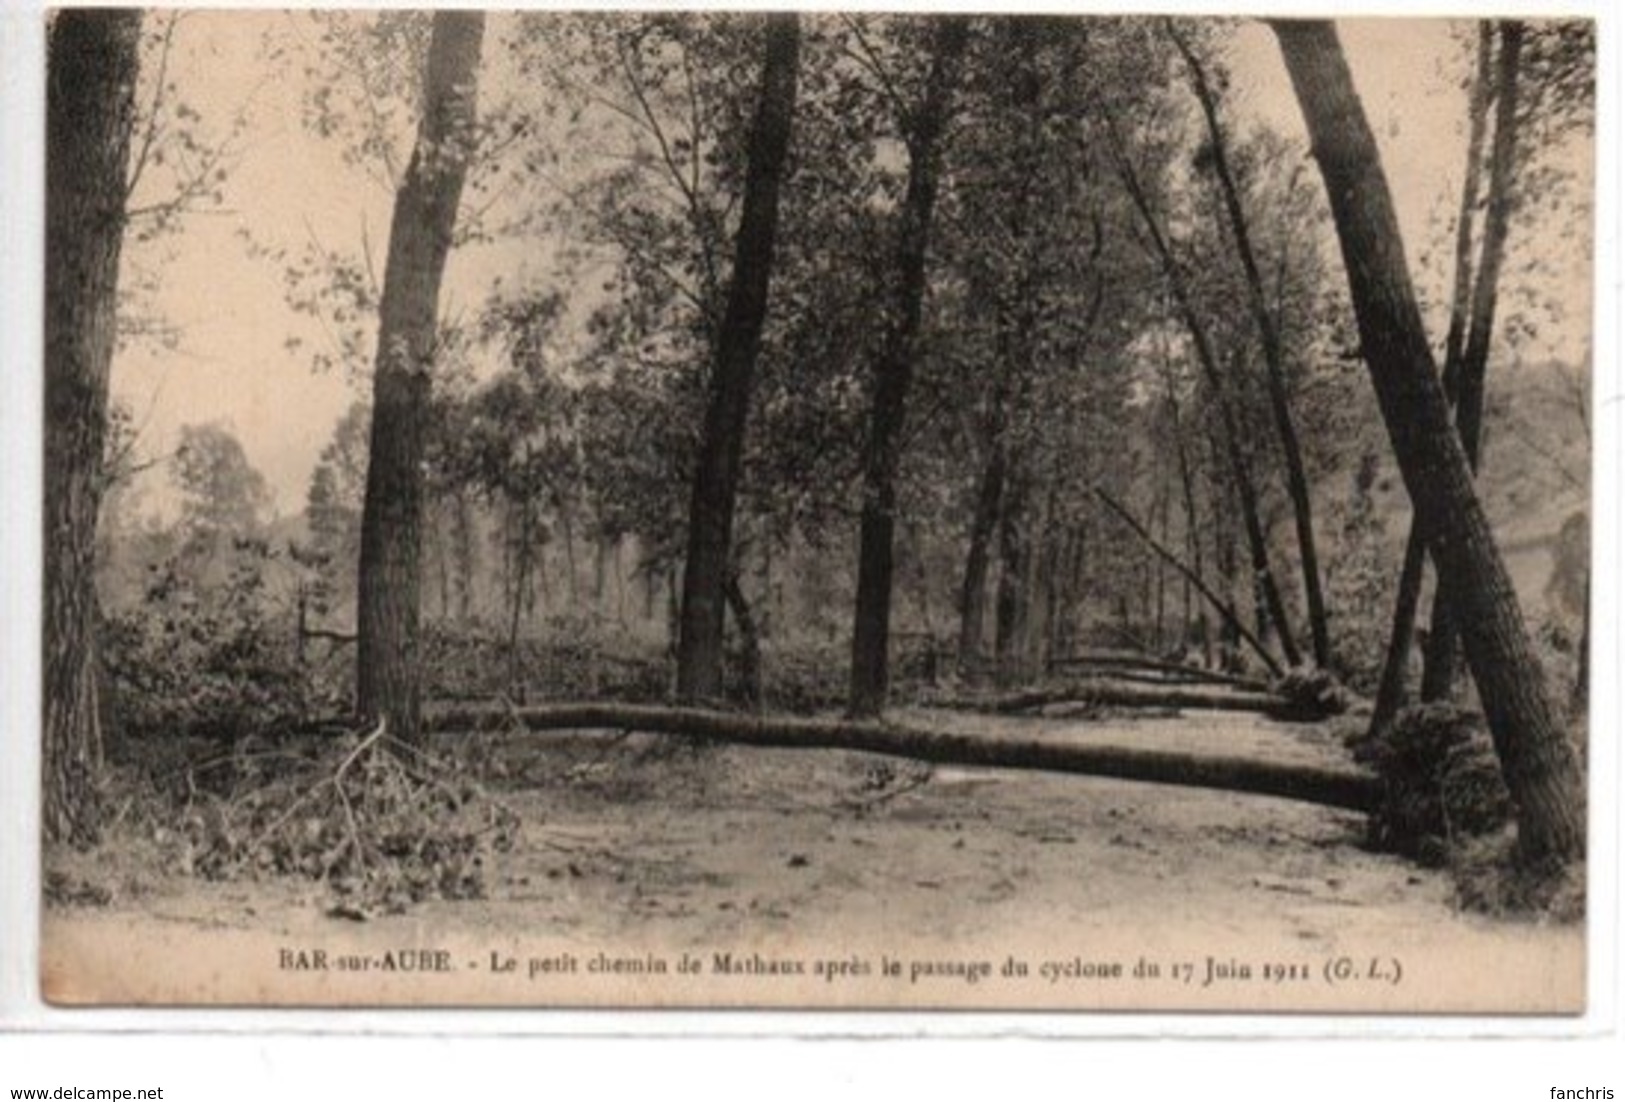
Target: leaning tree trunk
column 1246, row 489
column 1439, row 667
column 1270, row 337
column 1391, row 689
column 387, row 670
column 716, row 475
column 1537, row 761
column 1226, row 614
column 893, row 370
column 90, row 111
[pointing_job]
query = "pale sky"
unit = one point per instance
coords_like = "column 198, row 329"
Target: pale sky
column 233, row 365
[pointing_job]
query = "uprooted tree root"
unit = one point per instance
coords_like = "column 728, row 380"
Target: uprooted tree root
column 382, row 824
column 1444, row 804
column 1441, row 785
column 1309, row 694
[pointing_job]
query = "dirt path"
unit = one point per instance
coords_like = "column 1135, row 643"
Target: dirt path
column 632, row 853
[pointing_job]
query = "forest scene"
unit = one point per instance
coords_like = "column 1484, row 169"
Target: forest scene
column 723, row 480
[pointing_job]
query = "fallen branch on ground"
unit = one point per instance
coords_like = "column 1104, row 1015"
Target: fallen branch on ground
column 1350, row 789
column 382, row 824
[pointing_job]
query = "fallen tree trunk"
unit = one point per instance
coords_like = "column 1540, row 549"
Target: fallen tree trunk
column 1122, row 695
column 1090, row 671
column 1110, row 659
column 1349, row 789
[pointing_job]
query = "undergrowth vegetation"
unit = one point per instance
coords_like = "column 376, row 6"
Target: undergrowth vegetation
column 213, row 658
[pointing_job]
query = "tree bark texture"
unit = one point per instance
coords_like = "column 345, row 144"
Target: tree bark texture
column 387, row 661
column 90, row 111
column 716, row 475
column 893, row 371
column 1537, row 761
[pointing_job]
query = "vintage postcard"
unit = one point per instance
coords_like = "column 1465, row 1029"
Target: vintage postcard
column 817, row 510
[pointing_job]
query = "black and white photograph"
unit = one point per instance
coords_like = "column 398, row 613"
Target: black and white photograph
column 817, row 510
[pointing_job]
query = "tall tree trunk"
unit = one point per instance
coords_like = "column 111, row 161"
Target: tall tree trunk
column 1226, row 560
column 441, row 555
column 1274, row 359
column 1077, row 562
column 1439, row 668
column 1257, row 545
column 1478, row 117
column 1193, row 529
column 1537, row 761
column 600, row 573
column 893, row 370
column 463, row 542
column 1010, row 613
column 771, row 604
column 750, row 638
column 1040, row 555
column 674, row 610
column 1159, row 641
column 90, row 111
column 1001, row 504
column 1391, row 689
column 915, row 557
column 1580, row 692
column 716, row 475
column 522, row 557
column 571, row 572
column 979, row 552
column 1057, row 579
column 1015, row 524
column 1051, row 583
column 387, row 667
